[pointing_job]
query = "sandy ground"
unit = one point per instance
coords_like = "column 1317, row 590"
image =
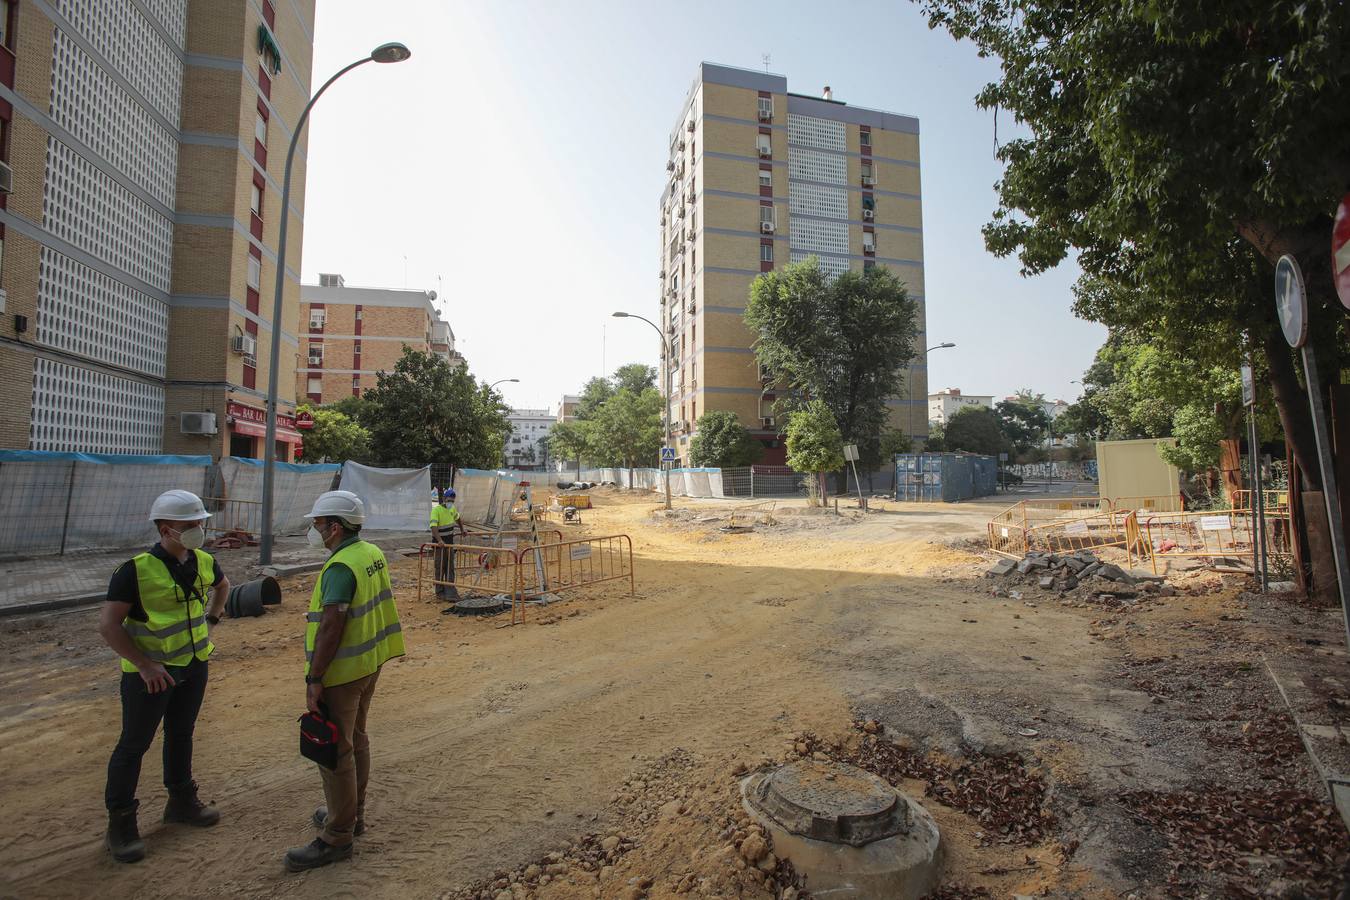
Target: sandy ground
column 622, row 716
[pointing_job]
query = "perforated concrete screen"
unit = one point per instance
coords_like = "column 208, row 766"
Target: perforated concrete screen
column 77, row 409
column 133, row 46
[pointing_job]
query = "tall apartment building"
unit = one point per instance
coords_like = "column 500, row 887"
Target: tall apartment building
column 758, row 177
column 145, row 141
column 527, row 427
column 353, row 333
column 949, row 401
column 567, row 407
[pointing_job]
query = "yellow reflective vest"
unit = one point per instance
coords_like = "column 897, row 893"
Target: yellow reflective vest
column 372, row 633
column 175, row 628
column 443, row 516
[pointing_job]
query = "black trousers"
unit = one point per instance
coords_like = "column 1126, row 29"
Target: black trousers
column 445, row 565
column 142, row 712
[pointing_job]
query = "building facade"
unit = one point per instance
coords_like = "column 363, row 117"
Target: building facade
column 759, row 177
column 146, row 143
column 523, row 450
column 567, row 407
column 351, row 334
column 948, row 402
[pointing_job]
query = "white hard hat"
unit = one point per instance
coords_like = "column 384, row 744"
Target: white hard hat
column 339, row 505
column 178, row 506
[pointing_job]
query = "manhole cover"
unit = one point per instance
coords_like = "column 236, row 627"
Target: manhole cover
column 829, row 801
column 481, row 606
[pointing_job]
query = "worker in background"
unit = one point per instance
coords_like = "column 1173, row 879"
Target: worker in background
column 444, row 521
column 156, row 619
column 351, row 630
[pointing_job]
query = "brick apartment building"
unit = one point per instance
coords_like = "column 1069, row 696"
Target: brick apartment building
column 758, row 177
column 353, row 333
column 145, row 142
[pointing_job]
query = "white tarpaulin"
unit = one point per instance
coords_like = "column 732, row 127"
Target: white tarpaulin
column 396, row 499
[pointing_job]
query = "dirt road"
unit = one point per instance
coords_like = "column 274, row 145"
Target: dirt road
column 495, row 745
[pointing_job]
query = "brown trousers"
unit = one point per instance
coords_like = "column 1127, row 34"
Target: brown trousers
column 344, row 788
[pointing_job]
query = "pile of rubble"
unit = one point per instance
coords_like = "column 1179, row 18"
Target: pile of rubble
column 1080, row 572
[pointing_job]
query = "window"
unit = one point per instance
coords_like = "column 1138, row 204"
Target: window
column 869, row 202
column 256, row 201
column 766, row 215
column 865, row 138
column 764, row 145
column 358, row 314
column 315, row 384
column 260, row 129
column 765, row 178
column 867, row 175
column 766, row 252
column 254, row 271
column 316, row 319
column 316, row 355
column 5, row 38
column 869, row 243
column 766, row 109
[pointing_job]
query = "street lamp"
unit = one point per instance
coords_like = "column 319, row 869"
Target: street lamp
column 385, row 53
column 945, row 345
column 666, row 356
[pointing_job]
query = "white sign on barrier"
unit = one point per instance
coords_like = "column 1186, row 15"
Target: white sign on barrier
column 1005, row 532
column 509, row 543
column 1215, row 523
column 581, row 551
column 1076, row 528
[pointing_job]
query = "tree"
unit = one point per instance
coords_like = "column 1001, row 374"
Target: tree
column 937, row 438
column 1180, row 149
column 976, row 429
column 570, row 440
column 893, row 442
column 593, row 395
column 627, row 428
column 723, row 442
column 356, row 408
column 335, row 437
column 846, row 342
column 636, row 377
column 814, row 443
column 1022, row 419
column 424, row 410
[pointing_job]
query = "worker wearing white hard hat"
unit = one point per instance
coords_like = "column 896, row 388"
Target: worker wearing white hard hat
column 351, row 630
column 159, row 610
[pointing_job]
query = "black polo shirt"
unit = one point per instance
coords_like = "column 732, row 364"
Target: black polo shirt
column 124, row 587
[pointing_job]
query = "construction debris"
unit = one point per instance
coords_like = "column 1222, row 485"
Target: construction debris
column 1082, row 572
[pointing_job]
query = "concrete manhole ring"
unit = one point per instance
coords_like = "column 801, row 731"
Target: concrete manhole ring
column 481, row 606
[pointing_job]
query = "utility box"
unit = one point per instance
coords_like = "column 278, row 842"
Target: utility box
column 944, row 477
column 1133, row 472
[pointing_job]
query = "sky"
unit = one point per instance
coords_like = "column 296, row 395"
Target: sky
column 514, row 165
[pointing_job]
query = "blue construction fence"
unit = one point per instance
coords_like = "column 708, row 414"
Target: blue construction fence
column 944, row 477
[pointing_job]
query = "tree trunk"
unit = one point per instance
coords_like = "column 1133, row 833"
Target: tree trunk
column 1291, row 401
column 1230, row 464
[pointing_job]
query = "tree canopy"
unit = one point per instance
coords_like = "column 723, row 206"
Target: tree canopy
column 335, row 437
column 975, row 429
column 626, row 430
column 425, row 411
column 846, row 342
column 723, row 442
column 813, row 440
column 636, row 377
column 1022, row 419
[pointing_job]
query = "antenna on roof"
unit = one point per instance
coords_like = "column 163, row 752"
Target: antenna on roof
column 766, row 58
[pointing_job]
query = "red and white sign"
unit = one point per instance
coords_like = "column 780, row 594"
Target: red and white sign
column 1340, row 251
column 304, row 420
column 252, row 421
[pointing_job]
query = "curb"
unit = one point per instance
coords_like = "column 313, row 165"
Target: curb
column 42, row 606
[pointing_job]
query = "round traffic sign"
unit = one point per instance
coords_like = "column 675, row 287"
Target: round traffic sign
column 1340, row 251
column 1291, row 300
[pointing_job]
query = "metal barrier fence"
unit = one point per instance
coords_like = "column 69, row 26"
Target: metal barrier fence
column 763, row 481
column 1215, row 534
column 238, row 521
column 525, row 573
column 1271, row 499
column 1105, row 529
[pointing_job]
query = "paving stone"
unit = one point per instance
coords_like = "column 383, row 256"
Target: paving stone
column 1001, row 568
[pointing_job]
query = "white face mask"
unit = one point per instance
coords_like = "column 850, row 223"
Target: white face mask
column 315, row 537
column 192, row 538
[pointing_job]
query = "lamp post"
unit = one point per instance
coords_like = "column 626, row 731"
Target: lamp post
column 505, row 462
column 945, row 345
column 385, row 53
column 665, row 371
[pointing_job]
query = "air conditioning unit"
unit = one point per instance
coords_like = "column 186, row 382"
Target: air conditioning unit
column 766, row 115
column 197, row 422
column 869, row 180
column 766, row 227
column 869, row 248
column 245, row 344
column 316, row 324
column 689, row 126
column 316, row 360
column 6, row 179
column 868, row 215
column 765, row 152
column 680, row 145
column 766, row 422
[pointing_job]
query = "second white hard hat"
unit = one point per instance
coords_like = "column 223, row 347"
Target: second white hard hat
column 339, row 505
column 178, row 506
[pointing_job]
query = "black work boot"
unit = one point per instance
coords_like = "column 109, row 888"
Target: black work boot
column 321, row 819
column 186, row 808
column 124, row 838
column 316, row 854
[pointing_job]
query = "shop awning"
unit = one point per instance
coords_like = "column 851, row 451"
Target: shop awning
column 257, row 429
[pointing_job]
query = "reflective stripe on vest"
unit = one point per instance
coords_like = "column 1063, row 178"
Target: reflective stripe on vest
column 175, row 628
column 371, row 633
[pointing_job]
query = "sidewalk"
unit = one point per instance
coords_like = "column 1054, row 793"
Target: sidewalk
column 60, row 582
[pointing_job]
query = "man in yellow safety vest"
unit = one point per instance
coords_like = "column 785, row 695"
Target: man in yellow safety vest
column 351, row 630
column 156, row 619
column 444, row 521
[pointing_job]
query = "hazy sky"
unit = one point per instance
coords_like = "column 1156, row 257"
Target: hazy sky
column 515, row 163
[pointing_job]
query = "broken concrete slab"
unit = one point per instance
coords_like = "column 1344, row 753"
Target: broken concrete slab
column 1001, row 568
column 1074, row 563
column 1047, row 583
column 1038, row 562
